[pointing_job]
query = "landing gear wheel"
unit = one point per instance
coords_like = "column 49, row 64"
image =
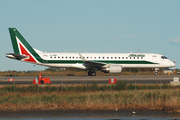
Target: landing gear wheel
column 91, row 73
column 156, row 73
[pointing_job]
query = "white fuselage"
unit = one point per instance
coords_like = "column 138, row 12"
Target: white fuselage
column 106, row 62
column 126, row 60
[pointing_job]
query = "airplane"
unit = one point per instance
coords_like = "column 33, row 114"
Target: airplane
column 105, row 62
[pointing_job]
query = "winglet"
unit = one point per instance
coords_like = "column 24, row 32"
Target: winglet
column 82, row 58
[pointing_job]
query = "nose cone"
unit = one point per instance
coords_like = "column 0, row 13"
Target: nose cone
column 172, row 64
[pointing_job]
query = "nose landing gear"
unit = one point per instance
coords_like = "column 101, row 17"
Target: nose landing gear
column 156, row 73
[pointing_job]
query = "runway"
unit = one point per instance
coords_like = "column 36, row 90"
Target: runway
column 139, row 79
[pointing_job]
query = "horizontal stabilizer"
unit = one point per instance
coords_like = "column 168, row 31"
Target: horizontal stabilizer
column 16, row 56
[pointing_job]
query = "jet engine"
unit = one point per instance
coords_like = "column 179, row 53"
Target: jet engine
column 113, row 69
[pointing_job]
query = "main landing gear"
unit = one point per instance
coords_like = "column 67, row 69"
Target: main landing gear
column 92, row 73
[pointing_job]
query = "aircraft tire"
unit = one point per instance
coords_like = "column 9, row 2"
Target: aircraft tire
column 93, row 73
column 89, row 73
column 156, row 73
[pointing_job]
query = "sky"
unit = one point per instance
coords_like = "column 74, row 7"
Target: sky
column 100, row 26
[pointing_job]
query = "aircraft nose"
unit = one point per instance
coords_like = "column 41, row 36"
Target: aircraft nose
column 172, row 63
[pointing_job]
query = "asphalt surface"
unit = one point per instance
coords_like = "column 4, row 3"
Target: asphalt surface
column 139, row 79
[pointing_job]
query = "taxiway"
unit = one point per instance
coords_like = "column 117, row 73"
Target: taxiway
column 141, row 79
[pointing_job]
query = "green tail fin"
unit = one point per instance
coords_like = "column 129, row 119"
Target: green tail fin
column 22, row 47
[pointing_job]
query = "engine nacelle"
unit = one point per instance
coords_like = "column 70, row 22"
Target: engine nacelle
column 113, row 69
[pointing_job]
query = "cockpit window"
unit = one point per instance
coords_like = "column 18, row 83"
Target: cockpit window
column 164, row 57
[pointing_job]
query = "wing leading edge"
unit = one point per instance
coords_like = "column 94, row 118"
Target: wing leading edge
column 92, row 64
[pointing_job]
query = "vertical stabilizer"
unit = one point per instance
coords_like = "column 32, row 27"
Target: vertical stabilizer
column 22, row 47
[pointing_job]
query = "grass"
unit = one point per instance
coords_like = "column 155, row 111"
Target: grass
column 167, row 100
column 93, row 86
column 97, row 97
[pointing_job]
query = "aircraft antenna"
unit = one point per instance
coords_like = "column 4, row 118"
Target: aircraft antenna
column 138, row 49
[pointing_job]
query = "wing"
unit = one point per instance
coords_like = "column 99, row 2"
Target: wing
column 91, row 64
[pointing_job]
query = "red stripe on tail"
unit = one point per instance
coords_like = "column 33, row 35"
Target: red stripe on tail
column 24, row 52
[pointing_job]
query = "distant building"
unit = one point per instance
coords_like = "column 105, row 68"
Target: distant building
column 168, row 71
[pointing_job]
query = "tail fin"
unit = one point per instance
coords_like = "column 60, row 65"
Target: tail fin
column 21, row 47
